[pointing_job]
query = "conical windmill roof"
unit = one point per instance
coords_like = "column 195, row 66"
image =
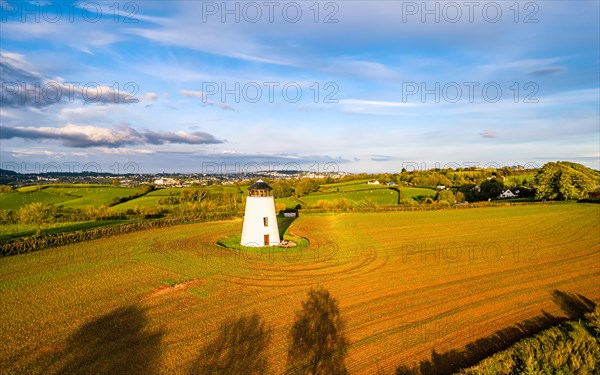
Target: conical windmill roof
column 260, row 185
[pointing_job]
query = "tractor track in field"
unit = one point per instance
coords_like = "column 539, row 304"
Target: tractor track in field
column 166, row 289
column 285, row 275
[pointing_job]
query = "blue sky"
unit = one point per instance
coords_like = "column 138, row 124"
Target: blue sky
column 383, row 84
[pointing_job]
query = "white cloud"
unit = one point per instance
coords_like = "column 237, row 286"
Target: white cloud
column 205, row 101
column 82, row 36
column 150, row 96
column 74, row 135
column 24, row 153
column 488, row 133
column 374, row 107
column 86, row 113
column 125, row 151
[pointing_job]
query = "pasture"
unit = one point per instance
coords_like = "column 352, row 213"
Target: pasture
column 67, row 196
column 407, row 283
column 16, row 200
column 349, row 186
column 82, row 196
column 152, row 198
column 379, row 196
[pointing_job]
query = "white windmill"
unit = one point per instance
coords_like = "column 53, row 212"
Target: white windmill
column 260, row 221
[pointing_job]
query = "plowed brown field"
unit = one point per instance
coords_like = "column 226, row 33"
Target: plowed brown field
column 407, row 283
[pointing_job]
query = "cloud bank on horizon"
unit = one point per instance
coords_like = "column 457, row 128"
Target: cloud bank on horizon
column 355, row 86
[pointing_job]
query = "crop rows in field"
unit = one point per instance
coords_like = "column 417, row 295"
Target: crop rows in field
column 407, row 283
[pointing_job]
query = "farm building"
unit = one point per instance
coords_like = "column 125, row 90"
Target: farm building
column 372, row 182
column 509, row 194
column 166, row 182
column 260, row 221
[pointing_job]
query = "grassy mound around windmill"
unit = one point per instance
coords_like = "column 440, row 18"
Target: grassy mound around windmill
column 289, row 240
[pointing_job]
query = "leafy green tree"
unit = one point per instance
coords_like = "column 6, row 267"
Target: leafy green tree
column 318, row 344
column 491, row 189
column 306, row 186
column 38, row 214
column 7, row 217
column 460, row 197
column 148, row 188
column 469, row 192
column 446, row 195
column 565, row 180
column 282, row 189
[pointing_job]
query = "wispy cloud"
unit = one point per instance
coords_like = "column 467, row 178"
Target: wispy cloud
column 374, row 107
column 382, row 158
column 125, row 151
column 24, row 153
column 533, row 67
column 85, row 113
column 548, row 71
column 488, row 133
column 73, row 135
column 205, row 101
column 22, row 87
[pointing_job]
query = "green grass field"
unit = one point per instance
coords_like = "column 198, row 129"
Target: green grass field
column 407, row 283
column 417, row 193
column 93, row 195
column 290, row 202
column 8, row 232
column 80, row 197
column 350, row 186
column 379, row 196
column 16, row 200
column 153, row 197
column 68, row 196
column 140, row 202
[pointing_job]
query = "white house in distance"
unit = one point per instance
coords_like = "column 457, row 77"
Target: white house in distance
column 509, row 194
column 260, row 220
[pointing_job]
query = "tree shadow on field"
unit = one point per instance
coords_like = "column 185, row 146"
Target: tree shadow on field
column 240, row 348
column 318, row 341
column 573, row 305
column 116, row 343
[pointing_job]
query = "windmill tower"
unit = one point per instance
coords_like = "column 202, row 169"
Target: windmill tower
column 260, row 222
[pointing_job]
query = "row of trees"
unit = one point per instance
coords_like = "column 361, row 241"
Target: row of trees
column 555, row 181
column 460, row 176
column 288, row 188
column 559, row 180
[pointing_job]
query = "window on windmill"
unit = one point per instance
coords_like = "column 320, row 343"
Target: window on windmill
column 266, row 221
